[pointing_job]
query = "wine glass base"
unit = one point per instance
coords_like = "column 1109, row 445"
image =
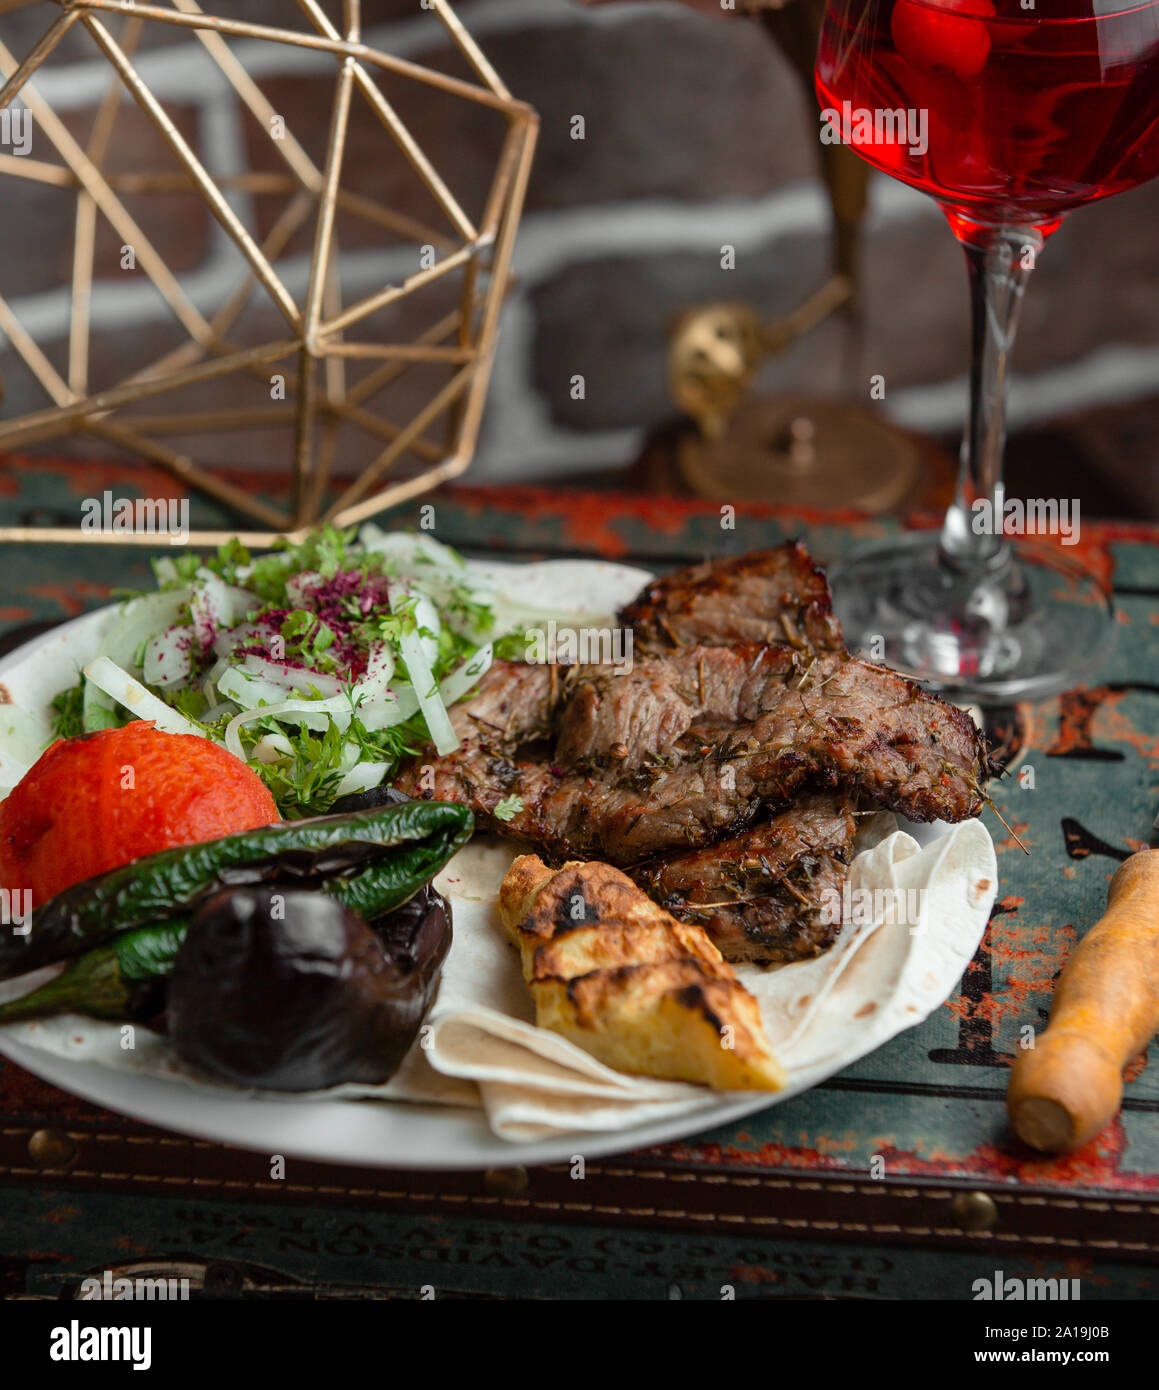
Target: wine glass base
column 1033, row 627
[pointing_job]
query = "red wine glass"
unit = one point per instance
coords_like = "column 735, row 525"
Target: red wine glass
column 1010, row 113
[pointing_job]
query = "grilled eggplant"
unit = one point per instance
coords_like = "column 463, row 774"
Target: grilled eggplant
column 291, row 991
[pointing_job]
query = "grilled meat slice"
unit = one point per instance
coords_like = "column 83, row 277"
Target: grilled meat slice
column 772, row 719
column 761, row 896
column 513, row 704
column 771, row 726
column 608, row 717
column 777, row 595
column 622, row 720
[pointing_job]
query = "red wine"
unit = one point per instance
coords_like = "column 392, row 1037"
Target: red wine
column 1004, row 114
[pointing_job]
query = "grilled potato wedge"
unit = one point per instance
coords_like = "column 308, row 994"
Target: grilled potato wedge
column 623, row 979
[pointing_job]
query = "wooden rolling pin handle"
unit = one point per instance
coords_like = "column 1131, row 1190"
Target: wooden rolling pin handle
column 1069, row 1085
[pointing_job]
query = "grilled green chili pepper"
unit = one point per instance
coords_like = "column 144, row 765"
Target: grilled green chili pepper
column 104, row 981
column 113, row 980
column 348, row 856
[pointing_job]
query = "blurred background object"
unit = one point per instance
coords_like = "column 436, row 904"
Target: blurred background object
column 666, row 135
column 790, row 448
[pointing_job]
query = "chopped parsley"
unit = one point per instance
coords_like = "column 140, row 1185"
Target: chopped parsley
column 68, row 711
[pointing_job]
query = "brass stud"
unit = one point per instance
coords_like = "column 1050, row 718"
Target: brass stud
column 506, row 1182
column 49, row 1148
column 974, row 1211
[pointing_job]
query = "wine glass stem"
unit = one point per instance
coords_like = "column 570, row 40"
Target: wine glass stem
column 1000, row 260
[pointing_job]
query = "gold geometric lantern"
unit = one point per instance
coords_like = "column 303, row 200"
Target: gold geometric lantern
column 334, row 357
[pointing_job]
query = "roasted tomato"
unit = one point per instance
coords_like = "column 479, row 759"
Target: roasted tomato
column 94, row 803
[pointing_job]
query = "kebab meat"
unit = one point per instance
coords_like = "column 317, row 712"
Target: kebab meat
column 724, row 771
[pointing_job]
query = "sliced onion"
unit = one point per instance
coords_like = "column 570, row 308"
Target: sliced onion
column 379, row 669
column 437, row 571
column 109, row 677
column 210, row 608
column 97, row 710
column 270, row 682
column 272, row 748
column 464, row 677
column 25, row 734
column 290, row 677
column 423, row 681
column 250, row 691
column 228, row 640
column 389, row 709
column 169, row 658
column 513, row 615
column 140, row 620
column 308, row 712
column 209, row 684
column 241, row 602
column 403, row 593
column 408, row 548
column 362, row 778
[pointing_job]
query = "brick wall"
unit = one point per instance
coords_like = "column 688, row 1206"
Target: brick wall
column 696, row 134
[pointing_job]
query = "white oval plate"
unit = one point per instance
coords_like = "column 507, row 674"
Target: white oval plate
column 367, row 1133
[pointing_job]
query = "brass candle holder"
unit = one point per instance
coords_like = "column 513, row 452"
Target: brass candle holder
column 320, row 334
column 792, row 448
